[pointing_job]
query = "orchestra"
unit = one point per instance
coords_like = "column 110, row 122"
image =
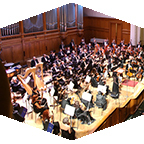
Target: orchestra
column 75, row 68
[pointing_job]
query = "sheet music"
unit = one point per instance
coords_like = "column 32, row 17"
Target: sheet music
column 120, row 71
column 106, row 73
column 27, row 79
column 88, row 78
column 102, row 89
column 52, row 91
column 69, row 110
column 71, row 85
column 86, row 96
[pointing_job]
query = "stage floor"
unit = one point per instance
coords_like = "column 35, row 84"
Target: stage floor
column 126, row 92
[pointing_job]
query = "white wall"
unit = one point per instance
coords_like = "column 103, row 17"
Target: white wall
column 134, row 30
column 92, row 13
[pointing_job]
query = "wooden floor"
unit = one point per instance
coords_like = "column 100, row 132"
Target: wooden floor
column 126, row 93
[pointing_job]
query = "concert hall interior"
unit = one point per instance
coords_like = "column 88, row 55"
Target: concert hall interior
column 71, row 71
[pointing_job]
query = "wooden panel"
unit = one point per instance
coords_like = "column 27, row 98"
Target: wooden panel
column 27, row 51
column 7, row 54
column 112, row 31
column 32, row 49
column 104, row 28
column 17, row 53
column 119, row 33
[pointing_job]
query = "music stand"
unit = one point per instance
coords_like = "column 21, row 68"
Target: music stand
column 69, row 110
column 87, row 96
column 70, row 86
column 102, row 89
column 88, row 78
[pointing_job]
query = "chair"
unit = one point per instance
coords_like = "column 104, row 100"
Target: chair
column 24, row 68
column 20, row 115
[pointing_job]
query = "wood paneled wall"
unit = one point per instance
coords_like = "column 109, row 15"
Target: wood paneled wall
column 120, row 114
column 101, row 28
column 20, row 48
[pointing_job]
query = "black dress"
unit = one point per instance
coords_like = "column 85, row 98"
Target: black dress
column 17, row 87
column 67, row 135
column 115, row 88
column 56, row 128
column 39, row 110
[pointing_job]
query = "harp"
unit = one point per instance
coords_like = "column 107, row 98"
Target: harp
column 37, row 74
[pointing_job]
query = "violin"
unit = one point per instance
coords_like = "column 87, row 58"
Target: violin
column 98, row 78
column 139, row 74
column 104, row 70
column 129, row 73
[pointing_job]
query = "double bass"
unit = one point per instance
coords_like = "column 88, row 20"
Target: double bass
column 139, row 74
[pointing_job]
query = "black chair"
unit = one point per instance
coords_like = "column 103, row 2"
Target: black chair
column 20, row 115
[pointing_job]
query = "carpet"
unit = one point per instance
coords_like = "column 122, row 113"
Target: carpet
column 129, row 83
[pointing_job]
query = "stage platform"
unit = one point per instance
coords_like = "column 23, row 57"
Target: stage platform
column 131, row 96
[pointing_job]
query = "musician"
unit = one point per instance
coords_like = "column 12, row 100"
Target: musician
column 82, row 115
column 55, row 70
column 57, row 61
column 129, row 44
column 48, row 117
column 94, row 81
column 105, row 43
column 72, row 54
column 140, row 72
column 100, row 69
column 46, row 62
column 60, row 54
column 89, row 66
column 34, row 62
column 39, row 105
column 72, row 44
column 60, row 78
column 70, row 132
column 89, row 47
column 113, row 44
column 17, row 109
column 121, row 43
column 94, row 43
column 115, row 88
column 69, row 72
column 63, row 66
column 83, row 65
column 16, row 86
column 65, row 58
column 82, row 43
column 52, row 56
column 139, row 45
column 76, row 81
column 62, row 46
column 68, row 51
column 101, row 101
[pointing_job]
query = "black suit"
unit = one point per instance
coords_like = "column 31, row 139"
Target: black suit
column 60, row 54
column 54, row 70
column 63, row 67
column 62, row 46
column 72, row 44
column 100, row 69
column 33, row 63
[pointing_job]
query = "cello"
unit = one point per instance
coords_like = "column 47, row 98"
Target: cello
column 139, row 74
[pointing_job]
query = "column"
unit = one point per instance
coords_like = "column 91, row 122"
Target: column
column 44, row 23
column 64, row 18
column 21, row 29
column 142, row 36
column 0, row 39
column 138, row 34
column 58, row 19
column 76, row 14
column 133, row 34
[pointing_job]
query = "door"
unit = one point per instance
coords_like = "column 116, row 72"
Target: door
column 115, row 32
